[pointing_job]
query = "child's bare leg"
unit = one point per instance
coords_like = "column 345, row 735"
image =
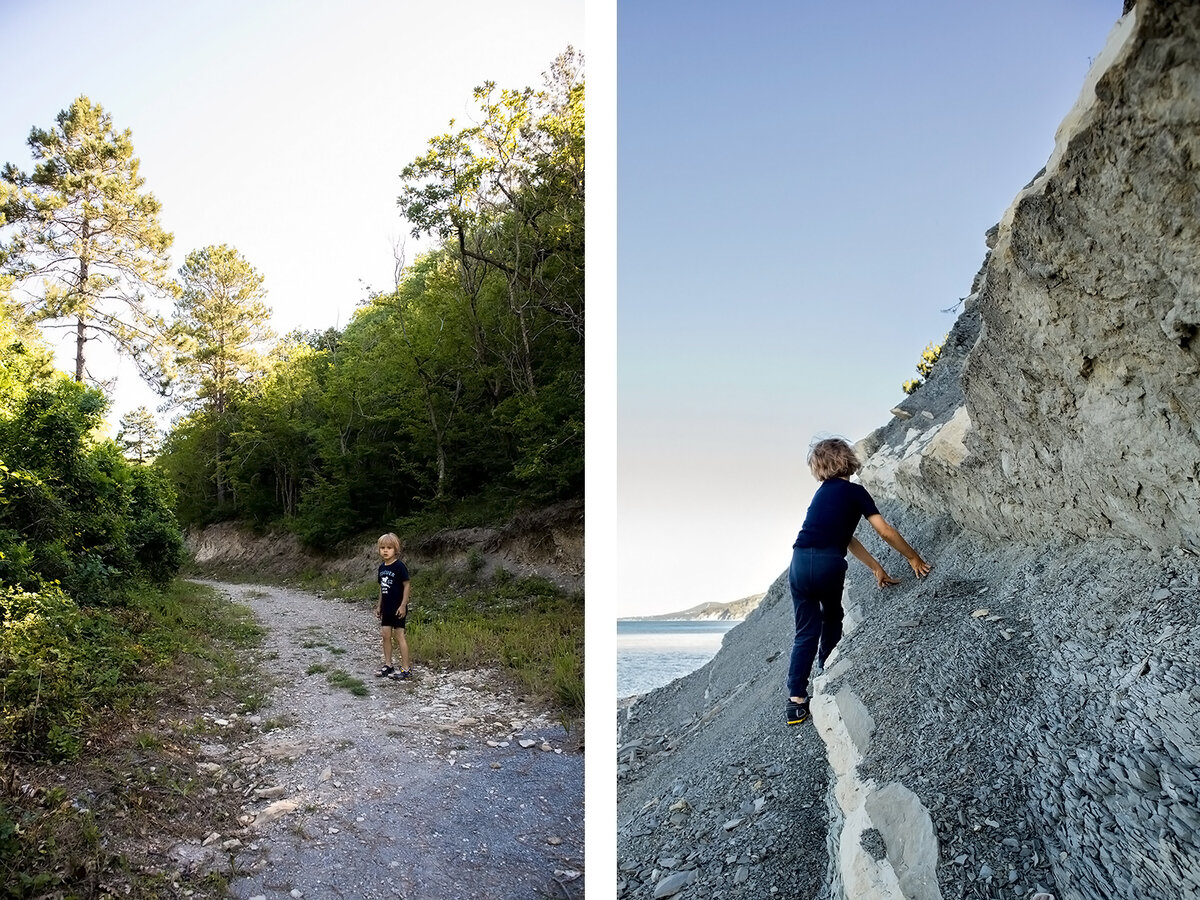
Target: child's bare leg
column 401, row 642
column 385, row 633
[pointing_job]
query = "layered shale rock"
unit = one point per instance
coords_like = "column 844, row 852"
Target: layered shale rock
column 1023, row 721
column 1079, row 406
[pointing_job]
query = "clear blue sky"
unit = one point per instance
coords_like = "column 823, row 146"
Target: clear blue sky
column 277, row 126
column 802, row 188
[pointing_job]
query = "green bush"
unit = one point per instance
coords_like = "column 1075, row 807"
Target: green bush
column 73, row 511
column 44, row 672
column 929, row 358
column 71, row 676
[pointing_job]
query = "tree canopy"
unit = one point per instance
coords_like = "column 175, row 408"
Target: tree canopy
column 73, row 512
column 464, row 384
column 460, row 387
column 86, row 242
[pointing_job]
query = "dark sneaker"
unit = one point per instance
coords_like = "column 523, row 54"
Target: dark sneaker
column 402, row 675
column 384, row 671
column 797, row 712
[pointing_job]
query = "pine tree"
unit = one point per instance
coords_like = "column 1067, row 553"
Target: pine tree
column 223, row 320
column 86, row 242
column 138, row 436
column 220, row 327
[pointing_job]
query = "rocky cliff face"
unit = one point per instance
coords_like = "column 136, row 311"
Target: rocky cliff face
column 1024, row 720
column 1079, row 409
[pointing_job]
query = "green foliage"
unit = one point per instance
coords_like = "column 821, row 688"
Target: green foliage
column 138, row 435
column 220, row 325
column 65, row 673
column 339, row 678
column 73, row 511
column 48, row 829
column 25, row 360
column 85, row 233
column 525, row 626
column 464, row 383
column 221, row 322
column 62, row 665
column 925, row 364
column 43, row 662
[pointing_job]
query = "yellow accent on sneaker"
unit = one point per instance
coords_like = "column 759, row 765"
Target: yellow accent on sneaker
column 797, row 713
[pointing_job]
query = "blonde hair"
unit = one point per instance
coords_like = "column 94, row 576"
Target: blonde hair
column 389, row 538
column 832, row 458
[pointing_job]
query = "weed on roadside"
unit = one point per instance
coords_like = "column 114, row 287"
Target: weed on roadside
column 99, row 824
column 344, row 680
column 313, row 639
column 527, row 626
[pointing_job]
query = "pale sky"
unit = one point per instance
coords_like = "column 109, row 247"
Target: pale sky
column 279, row 127
column 802, row 189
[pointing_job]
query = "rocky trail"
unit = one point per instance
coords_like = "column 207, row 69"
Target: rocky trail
column 447, row 786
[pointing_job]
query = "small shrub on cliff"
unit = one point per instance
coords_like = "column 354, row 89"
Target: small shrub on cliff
column 929, row 357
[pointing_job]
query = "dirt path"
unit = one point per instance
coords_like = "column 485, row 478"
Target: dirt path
column 443, row 787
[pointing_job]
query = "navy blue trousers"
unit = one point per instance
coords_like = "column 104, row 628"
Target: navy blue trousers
column 816, row 577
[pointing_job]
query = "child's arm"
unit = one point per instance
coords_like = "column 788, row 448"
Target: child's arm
column 379, row 603
column 404, row 599
column 864, row 556
column 893, row 537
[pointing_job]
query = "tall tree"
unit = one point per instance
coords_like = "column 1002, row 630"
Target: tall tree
column 138, row 436
column 221, row 326
column 508, row 193
column 506, row 196
column 222, row 318
column 87, row 242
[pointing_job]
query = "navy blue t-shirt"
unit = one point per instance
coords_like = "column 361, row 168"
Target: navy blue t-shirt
column 833, row 515
column 391, row 580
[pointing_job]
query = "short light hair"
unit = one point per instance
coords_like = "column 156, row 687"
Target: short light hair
column 832, row 458
column 389, row 538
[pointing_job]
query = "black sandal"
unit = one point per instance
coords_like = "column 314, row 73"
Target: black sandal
column 384, row 671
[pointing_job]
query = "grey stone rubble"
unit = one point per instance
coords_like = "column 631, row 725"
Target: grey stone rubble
column 1022, row 722
column 443, row 787
column 714, row 787
column 1050, row 743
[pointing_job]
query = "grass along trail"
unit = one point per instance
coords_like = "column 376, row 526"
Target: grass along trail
column 445, row 786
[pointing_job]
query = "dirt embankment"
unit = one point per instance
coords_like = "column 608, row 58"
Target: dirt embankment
column 547, row 543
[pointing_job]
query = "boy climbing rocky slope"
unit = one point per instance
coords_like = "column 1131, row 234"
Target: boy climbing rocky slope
column 1021, row 721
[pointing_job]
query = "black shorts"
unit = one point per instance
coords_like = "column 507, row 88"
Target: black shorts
column 391, row 618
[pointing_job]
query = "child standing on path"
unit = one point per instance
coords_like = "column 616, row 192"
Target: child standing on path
column 818, row 568
column 393, row 607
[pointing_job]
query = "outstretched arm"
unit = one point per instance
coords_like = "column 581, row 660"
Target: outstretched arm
column 894, row 539
column 864, row 556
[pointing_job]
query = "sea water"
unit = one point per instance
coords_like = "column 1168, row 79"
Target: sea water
column 654, row 652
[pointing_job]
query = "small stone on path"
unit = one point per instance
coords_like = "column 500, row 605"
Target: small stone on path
column 673, row 884
column 276, row 810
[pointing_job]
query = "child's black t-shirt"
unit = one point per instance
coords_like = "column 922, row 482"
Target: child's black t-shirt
column 391, row 581
column 833, row 515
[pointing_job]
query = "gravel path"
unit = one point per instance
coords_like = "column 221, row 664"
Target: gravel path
column 443, row 787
